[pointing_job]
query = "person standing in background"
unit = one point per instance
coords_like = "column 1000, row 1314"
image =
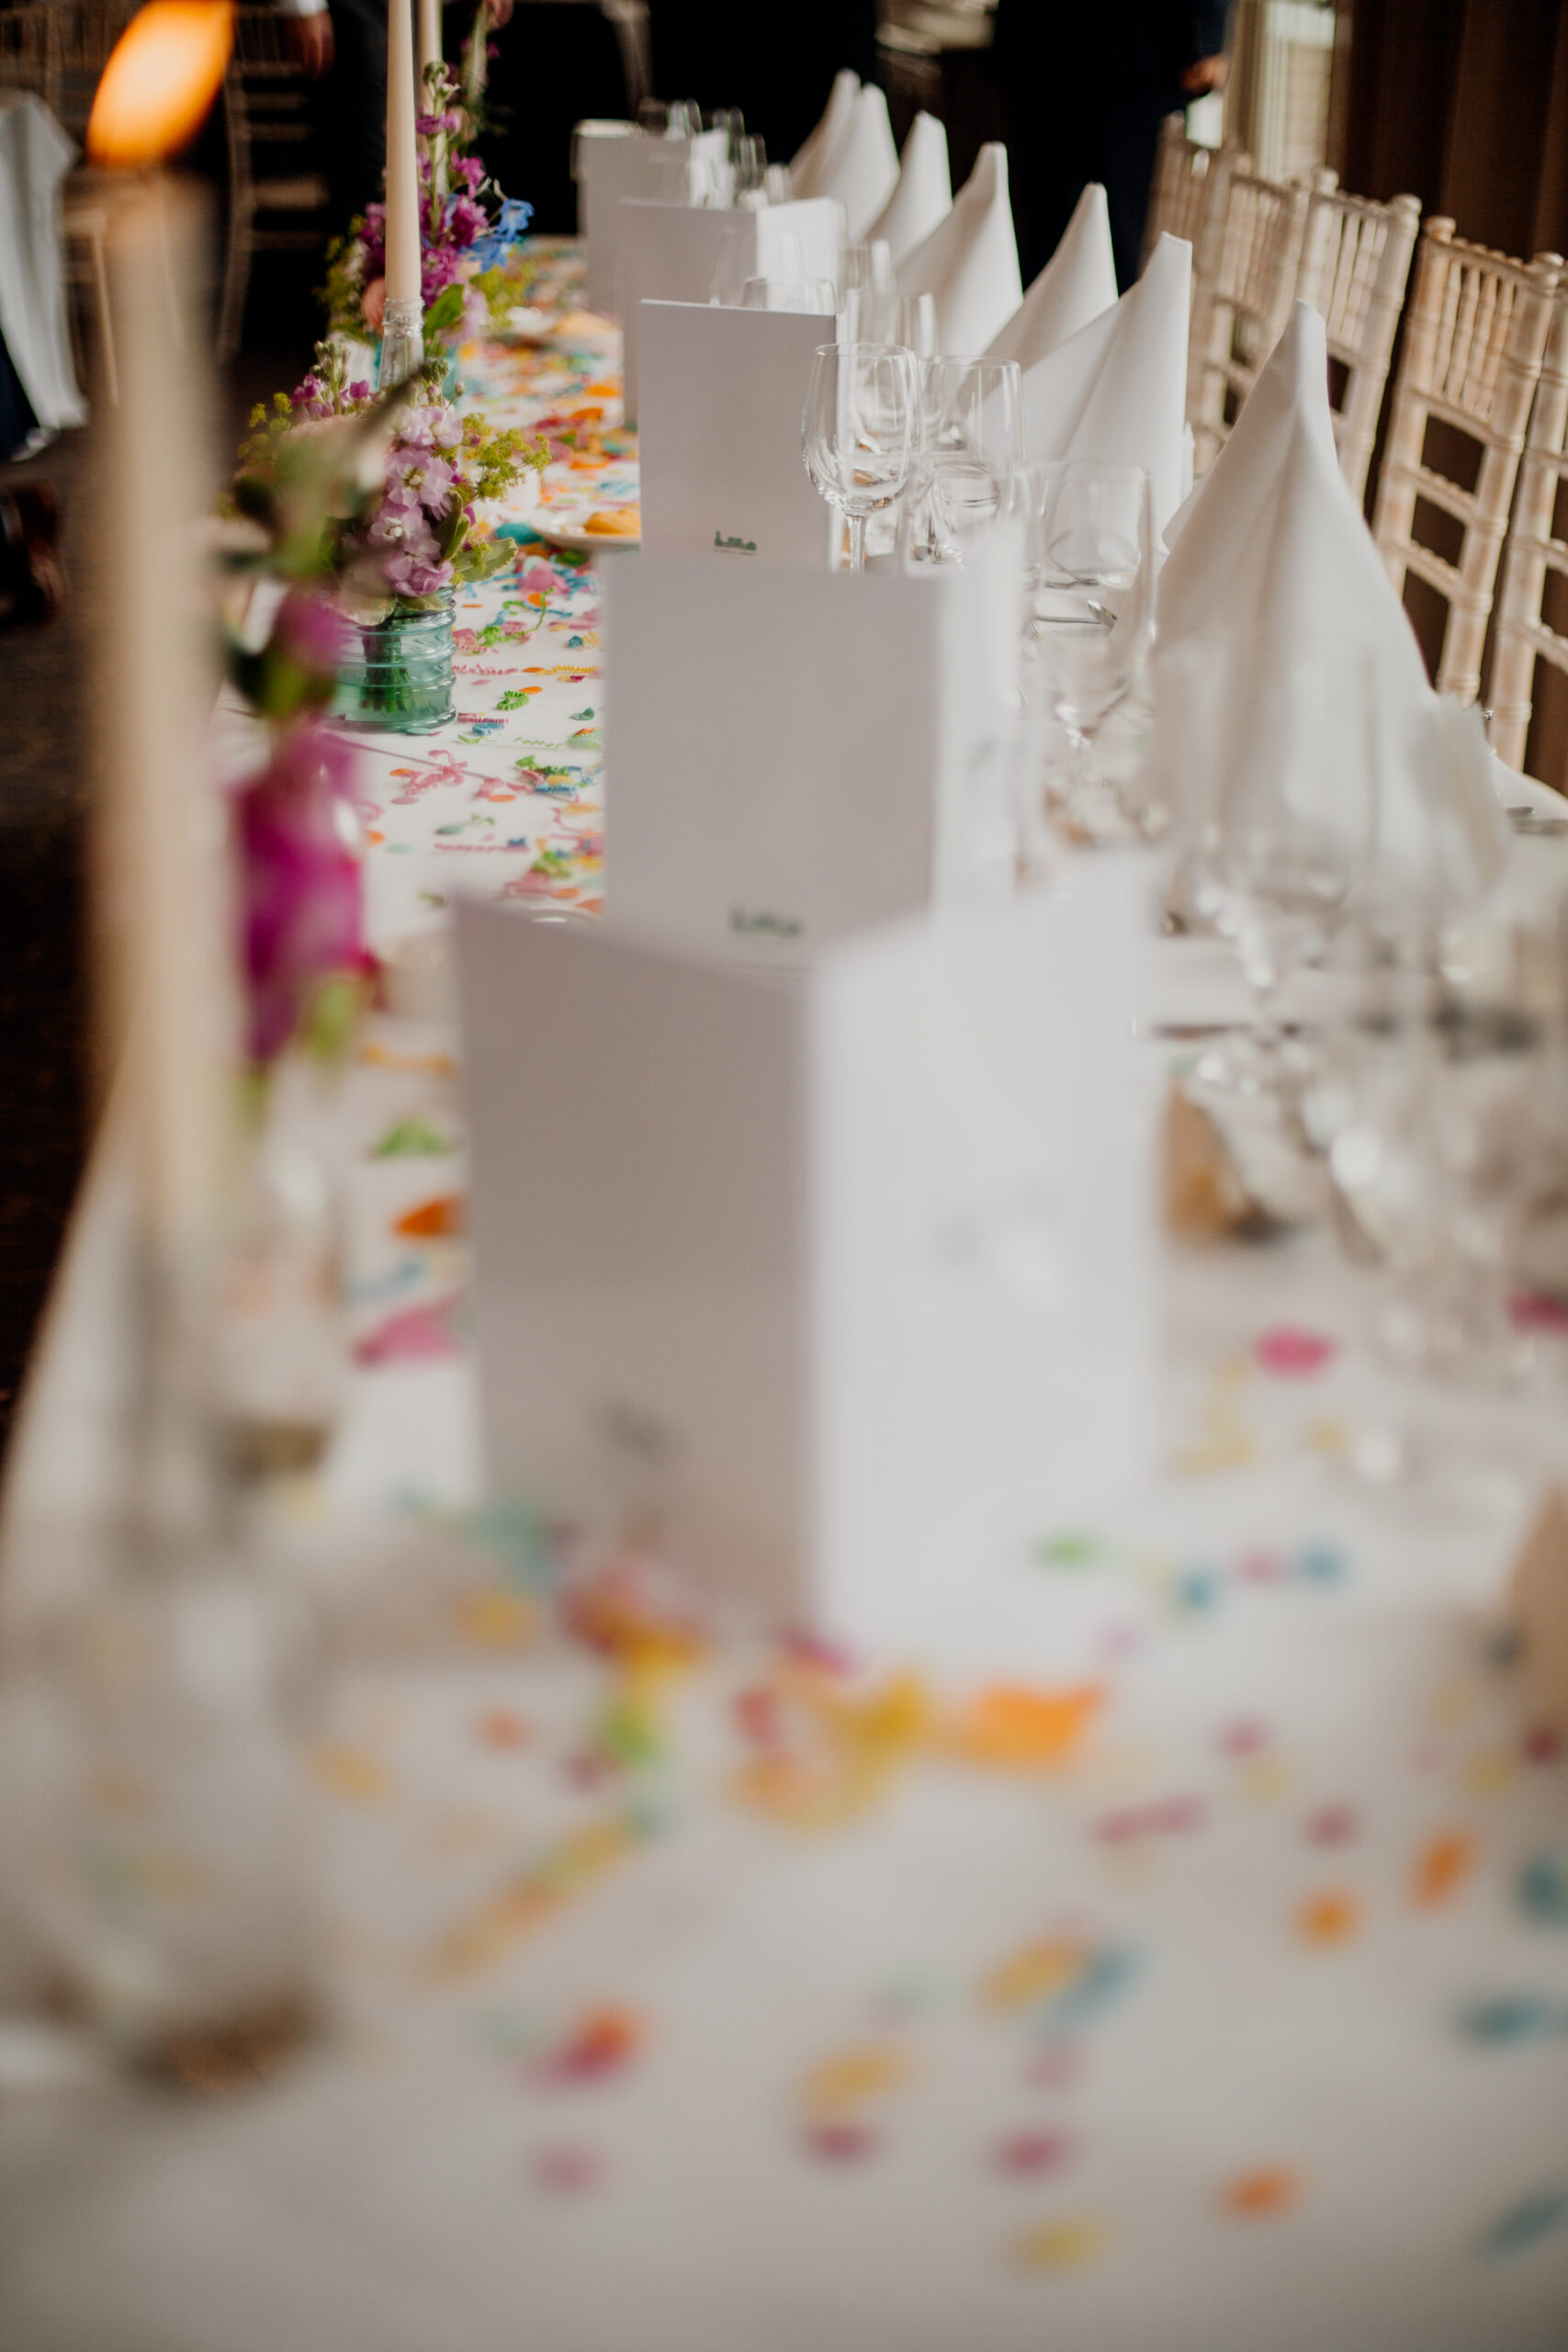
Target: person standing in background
column 343, row 45
column 1087, row 83
column 776, row 64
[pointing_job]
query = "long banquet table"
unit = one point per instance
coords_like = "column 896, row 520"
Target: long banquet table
column 1204, row 1983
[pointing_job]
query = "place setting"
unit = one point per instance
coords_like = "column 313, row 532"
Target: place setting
column 786, row 1560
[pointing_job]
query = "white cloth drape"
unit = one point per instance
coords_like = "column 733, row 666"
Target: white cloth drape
column 35, row 155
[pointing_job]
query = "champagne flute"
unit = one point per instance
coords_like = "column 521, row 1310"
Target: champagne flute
column 860, row 431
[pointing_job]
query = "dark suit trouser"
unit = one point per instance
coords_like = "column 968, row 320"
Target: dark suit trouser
column 1060, row 140
column 353, row 108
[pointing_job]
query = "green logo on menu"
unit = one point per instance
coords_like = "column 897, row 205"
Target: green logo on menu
column 734, row 547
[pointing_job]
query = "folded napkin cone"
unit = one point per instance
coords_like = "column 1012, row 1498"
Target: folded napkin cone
column 969, row 263
column 863, row 170
column 1272, row 540
column 1077, row 284
column 821, row 148
column 1115, row 393
column 924, row 198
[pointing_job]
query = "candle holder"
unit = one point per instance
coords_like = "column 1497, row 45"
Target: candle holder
column 402, row 340
column 155, row 1847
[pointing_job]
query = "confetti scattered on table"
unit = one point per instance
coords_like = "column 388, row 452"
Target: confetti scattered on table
column 1543, row 1887
column 1261, row 2193
column 1295, row 1354
column 1442, row 1868
column 1524, row 2224
column 1068, row 2243
column 1328, row 1918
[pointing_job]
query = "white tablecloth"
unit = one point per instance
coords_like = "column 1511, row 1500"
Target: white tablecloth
column 1235, row 2019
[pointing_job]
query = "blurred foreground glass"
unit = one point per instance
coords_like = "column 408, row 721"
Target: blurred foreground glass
column 860, row 431
column 812, row 297
column 154, row 1844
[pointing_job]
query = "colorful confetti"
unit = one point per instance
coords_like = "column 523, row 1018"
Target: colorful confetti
column 1261, row 2193
column 1328, row 1918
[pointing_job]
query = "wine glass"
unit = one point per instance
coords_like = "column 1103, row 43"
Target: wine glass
column 810, row 295
column 1089, row 577
column 971, row 445
column 867, row 267
column 877, row 314
column 860, row 430
column 1281, row 823
column 750, row 154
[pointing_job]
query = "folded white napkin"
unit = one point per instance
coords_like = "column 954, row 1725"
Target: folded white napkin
column 1077, row 284
column 822, row 144
column 864, row 171
column 924, row 198
column 969, row 263
column 1272, row 539
column 1115, row 393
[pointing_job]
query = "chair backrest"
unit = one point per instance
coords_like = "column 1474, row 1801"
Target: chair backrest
column 1355, row 262
column 1475, row 334
column 1246, row 271
column 267, row 99
column 1529, row 553
column 1181, row 186
column 24, row 51
column 81, row 35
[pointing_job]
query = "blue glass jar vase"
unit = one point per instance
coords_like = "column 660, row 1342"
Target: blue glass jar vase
column 397, row 675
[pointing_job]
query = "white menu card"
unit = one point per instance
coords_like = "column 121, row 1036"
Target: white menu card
column 722, row 394
column 666, row 252
column 842, row 1285
column 792, row 754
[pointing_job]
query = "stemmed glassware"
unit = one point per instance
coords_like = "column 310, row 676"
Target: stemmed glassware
column 1272, row 744
column 1089, row 561
column 971, row 446
column 860, row 431
column 811, row 296
column 881, row 314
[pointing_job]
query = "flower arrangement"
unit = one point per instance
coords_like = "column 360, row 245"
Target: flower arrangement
column 411, row 530
column 471, row 273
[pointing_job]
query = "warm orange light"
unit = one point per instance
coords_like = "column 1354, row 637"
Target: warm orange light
column 165, row 71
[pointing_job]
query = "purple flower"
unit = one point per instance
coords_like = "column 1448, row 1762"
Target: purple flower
column 302, row 900
column 411, row 575
column 359, row 389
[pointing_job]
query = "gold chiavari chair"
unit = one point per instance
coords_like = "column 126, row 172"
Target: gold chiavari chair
column 1531, row 553
column 1475, row 334
column 1246, row 271
column 1354, row 263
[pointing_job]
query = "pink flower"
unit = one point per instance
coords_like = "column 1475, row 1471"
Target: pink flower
column 373, row 304
column 300, row 897
column 312, row 631
column 410, row 575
